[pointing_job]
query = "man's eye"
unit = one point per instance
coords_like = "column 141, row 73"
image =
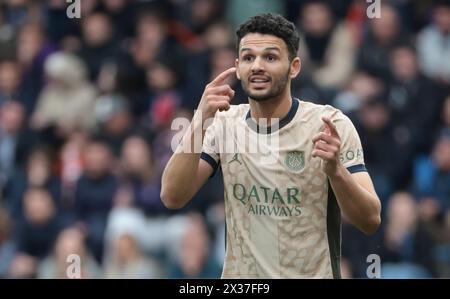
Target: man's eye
column 271, row 58
column 247, row 58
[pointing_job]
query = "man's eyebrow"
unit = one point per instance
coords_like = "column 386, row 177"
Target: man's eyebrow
column 272, row 48
column 265, row 49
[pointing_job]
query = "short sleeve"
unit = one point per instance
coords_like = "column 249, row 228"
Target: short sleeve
column 351, row 155
column 210, row 148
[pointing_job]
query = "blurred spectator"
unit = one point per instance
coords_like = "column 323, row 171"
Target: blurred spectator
column 389, row 166
column 38, row 173
column 163, row 140
column 383, row 34
column 71, row 166
column 114, row 119
column 355, row 19
column 16, row 141
column 58, row 26
column 406, row 248
column 128, row 261
column 6, row 35
column 361, row 88
column 71, row 241
column 33, row 48
column 195, row 259
column 326, row 47
column 123, row 14
column 445, row 113
column 7, row 246
column 9, row 80
column 67, row 102
column 218, row 35
column 89, row 6
column 94, row 194
column 98, row 43
column 138, row 171
column 432, row 173
column 17, row 12
column 151, row 38
column 203, row 13
column 163, row 96
column 415, row 100
column 151, row 42
column 37, row 232
column 433, row 44
column 157, row 236
column 23, row 266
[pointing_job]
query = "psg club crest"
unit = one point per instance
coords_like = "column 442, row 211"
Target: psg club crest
column 295, row 161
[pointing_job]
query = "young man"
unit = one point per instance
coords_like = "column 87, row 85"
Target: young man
column 283, row 200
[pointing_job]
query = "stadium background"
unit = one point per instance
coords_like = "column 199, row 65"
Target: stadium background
column 86, row 107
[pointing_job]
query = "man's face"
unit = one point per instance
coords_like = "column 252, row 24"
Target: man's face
column 263, row 66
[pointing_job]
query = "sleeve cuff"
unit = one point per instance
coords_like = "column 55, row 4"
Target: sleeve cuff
column 357, row 168
column 210, row 160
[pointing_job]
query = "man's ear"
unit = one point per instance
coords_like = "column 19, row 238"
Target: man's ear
column 236, row 64
column 296, row 66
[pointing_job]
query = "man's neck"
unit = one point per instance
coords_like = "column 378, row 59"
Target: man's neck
column 271, row 110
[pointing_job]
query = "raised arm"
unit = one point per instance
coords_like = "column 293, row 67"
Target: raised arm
column 185, row 173
column 355, row 193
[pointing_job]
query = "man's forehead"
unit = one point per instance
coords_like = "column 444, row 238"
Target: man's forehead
column 258, row 40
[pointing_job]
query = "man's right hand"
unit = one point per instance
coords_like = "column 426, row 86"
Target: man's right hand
column 217, row 95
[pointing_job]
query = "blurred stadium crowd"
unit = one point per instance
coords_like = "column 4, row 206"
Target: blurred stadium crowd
column 85, row 129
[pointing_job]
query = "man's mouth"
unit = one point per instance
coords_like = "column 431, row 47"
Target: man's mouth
column 259, row 81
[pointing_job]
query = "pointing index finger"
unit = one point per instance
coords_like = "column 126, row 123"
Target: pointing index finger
column 330, row 125
column 224, row 75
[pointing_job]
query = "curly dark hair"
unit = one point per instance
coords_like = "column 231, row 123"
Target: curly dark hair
column 273, row 24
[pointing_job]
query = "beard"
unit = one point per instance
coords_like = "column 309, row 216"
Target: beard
column 275, row 90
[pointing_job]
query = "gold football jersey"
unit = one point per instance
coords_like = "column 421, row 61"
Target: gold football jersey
column 282, row 218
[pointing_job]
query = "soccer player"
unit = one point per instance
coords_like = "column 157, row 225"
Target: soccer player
column 284, row 196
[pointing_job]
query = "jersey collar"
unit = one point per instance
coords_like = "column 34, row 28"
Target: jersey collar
column 283, row 122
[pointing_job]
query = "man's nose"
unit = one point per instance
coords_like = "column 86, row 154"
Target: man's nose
column 257, row 65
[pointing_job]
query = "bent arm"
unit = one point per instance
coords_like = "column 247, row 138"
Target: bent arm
column 184, row 174
column 357, row 199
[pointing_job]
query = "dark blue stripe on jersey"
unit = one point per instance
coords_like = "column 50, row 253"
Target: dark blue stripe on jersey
column 210, row 161
column 283, row 122
column 334, row 229
column 357, row 168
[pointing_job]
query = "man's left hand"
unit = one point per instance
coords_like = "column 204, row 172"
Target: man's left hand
column 327, row 145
